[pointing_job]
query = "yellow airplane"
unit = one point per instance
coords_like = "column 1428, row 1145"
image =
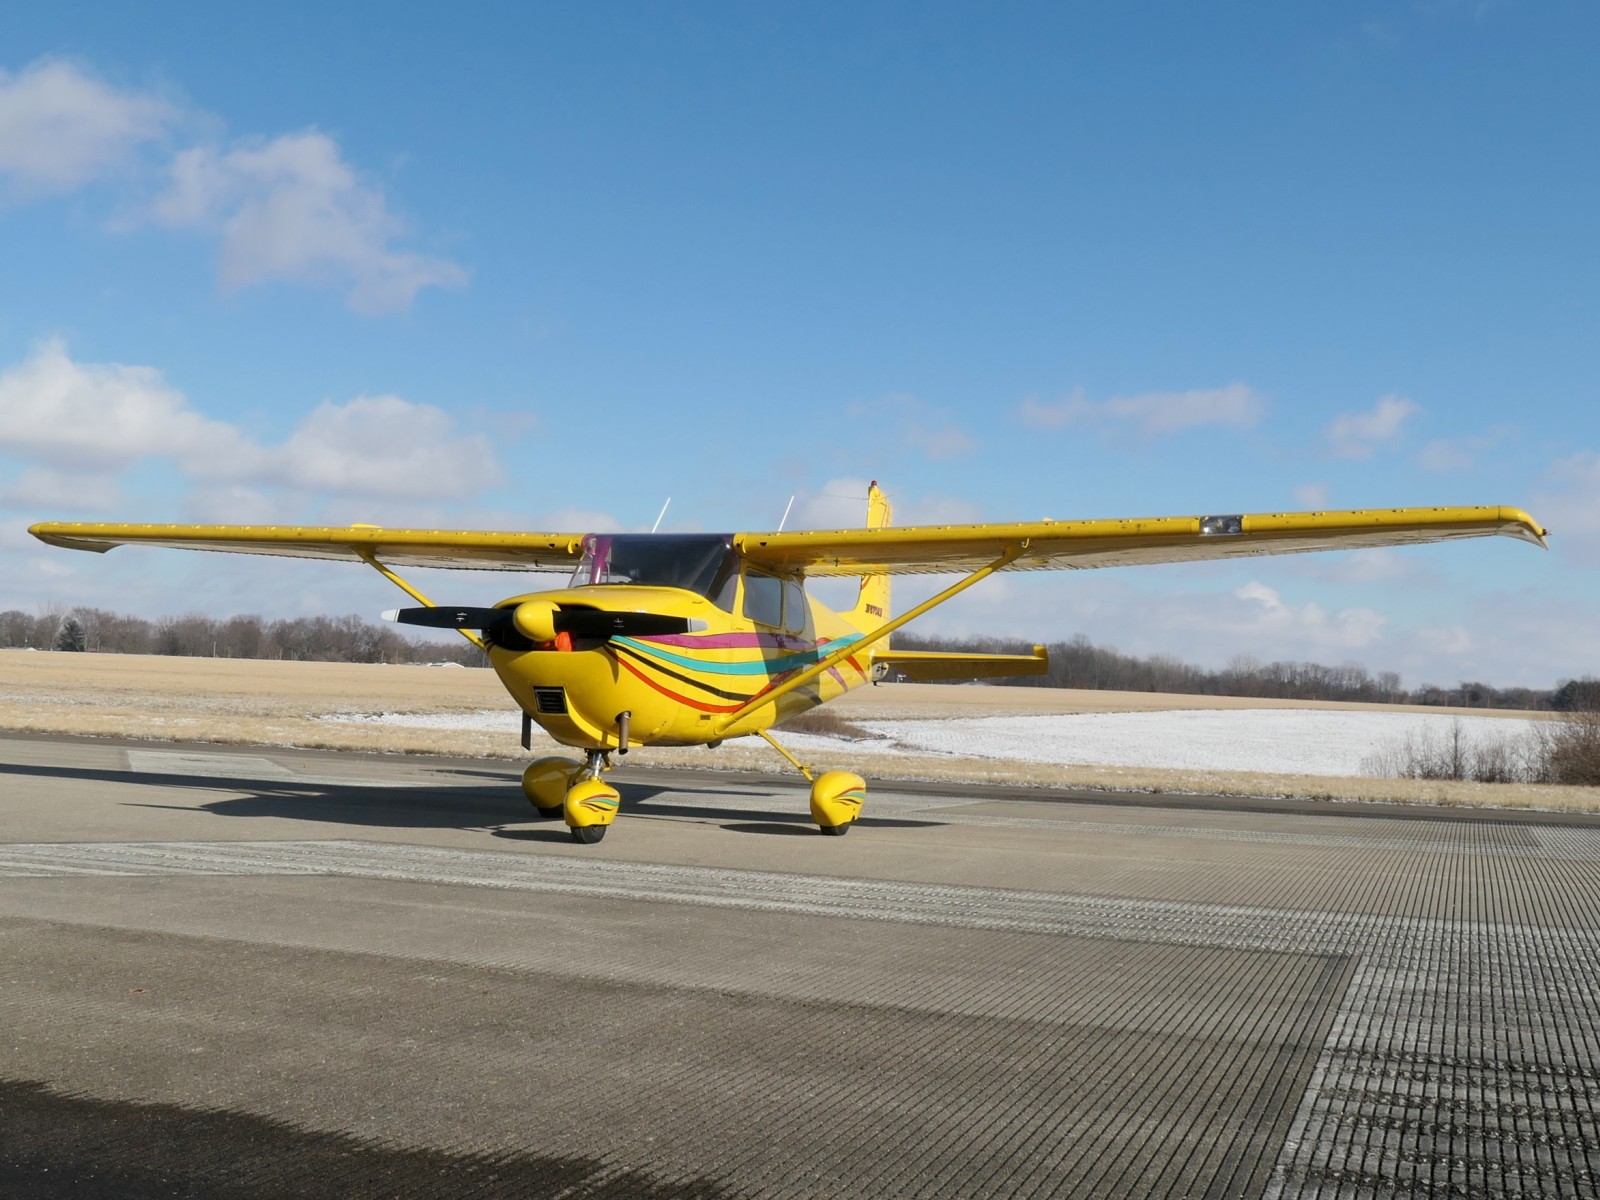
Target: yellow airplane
column 691, row 639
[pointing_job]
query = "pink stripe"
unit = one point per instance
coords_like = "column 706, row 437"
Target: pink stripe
column 730, row 641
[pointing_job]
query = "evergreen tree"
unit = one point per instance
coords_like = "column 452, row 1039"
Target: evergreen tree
column 70, row 635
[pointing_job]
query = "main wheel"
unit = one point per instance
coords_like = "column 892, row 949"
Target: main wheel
column 587, row 835
column 836, row 800
column 545, row 784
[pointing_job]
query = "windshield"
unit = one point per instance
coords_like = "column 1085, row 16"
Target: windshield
column 703, row 563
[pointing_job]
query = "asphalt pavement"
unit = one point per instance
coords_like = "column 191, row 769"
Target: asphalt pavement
column 244, row 972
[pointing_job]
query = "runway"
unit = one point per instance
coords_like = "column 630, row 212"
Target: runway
column 244, row 972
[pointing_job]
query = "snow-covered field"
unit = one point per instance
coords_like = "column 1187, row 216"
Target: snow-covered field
column 1269, row 740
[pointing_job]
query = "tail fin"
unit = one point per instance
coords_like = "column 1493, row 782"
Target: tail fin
column 872, row 605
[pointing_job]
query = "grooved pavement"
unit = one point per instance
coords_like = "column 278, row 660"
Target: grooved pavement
column 982, row 995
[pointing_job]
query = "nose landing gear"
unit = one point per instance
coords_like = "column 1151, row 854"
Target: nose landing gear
column 574, row 791
column 590, row 804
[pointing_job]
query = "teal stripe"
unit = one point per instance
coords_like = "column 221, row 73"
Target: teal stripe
column 760, row 666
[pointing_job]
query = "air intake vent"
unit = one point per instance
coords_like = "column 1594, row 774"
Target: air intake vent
column 550, row 700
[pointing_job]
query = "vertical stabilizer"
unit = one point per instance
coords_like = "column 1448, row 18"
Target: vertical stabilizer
column 872, row 605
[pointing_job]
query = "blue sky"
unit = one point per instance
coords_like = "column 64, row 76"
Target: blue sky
column 544, row 266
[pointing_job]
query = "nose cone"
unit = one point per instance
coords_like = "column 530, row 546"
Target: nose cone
column 536, row 620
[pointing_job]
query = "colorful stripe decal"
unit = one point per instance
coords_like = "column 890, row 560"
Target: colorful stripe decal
column 629, row 652
column 760, row 666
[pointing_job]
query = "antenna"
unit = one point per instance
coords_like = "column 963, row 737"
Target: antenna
column 786, row 509
column 659, row 515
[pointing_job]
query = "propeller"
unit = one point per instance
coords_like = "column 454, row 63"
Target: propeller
column 541, row 621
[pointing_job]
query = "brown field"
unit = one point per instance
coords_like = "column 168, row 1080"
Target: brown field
column 248, row 702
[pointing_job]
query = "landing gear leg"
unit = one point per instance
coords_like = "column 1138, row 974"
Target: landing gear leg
column 590, row 804
column 836, row 796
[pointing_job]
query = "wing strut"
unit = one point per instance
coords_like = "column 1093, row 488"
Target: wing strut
column 371, row 559
column 882, row 631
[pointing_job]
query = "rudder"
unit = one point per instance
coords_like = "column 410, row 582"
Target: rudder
column 872, row 604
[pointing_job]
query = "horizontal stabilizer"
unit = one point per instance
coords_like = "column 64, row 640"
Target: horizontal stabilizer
column 921, row 666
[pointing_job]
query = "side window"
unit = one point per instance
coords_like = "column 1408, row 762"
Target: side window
column 794, row 607
column 763, row 599
column 723, row 593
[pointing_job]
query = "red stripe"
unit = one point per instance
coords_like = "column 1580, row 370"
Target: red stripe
column 643, row 678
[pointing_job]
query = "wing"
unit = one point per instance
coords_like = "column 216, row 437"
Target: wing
column 1065, row 545
column 472, row 550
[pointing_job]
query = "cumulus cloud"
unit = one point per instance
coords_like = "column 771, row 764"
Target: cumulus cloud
column 40, row 487
column 60, row 127
column 842, row 504
column 383, row 446
column 85, row 422
column 1266, row 613
column 1362, row 434
column 1570, row 505
column 286, row 209
column 291, row 210
column 103, row 416
column 1150, row 414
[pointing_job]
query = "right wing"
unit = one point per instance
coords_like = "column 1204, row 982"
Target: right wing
column 1069, row 545
column 455, row 548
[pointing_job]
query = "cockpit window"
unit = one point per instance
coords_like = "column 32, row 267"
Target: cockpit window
column 703, row 563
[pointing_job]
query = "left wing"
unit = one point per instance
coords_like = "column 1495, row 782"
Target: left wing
column 461, row 549
column 1064, row 545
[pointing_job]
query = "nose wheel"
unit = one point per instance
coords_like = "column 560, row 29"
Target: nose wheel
column 590, row 803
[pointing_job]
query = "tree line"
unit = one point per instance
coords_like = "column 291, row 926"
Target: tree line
column 1077, row 663
column 297, row 639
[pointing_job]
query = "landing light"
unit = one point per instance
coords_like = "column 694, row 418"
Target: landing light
column 1221, row 526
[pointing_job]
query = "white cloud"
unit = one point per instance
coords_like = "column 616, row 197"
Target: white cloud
column 102, row 416
column 837, row 504
column 61, row 128
column 842, row 504
column 383, row 446
column 1151, row 414
column 41, row 488
column 1311, row 495
column 1571, row 508
column 1267, row 614
column 232, row 504
column 91, row 420
column 291, row 210
column 1362, row 434
column 287, row 209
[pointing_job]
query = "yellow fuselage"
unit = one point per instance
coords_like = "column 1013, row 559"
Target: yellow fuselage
column 679, row 689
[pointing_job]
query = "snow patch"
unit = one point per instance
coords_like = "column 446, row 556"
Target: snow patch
column 1274, row 741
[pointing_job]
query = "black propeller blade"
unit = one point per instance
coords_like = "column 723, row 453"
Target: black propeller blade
column 597, row 623
column 578, row 622
column 444, row 617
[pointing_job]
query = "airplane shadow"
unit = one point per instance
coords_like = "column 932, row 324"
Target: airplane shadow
column 501, row 809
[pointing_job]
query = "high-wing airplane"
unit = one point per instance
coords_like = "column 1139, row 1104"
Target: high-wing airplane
column 687, row 639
